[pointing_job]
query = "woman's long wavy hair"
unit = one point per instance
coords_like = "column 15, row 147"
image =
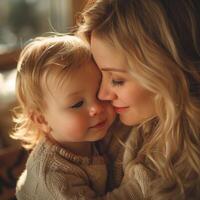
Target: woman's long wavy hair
column 161, row 40
column 56, row 55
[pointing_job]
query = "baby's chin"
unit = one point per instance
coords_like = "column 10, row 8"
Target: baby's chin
column 100, row 136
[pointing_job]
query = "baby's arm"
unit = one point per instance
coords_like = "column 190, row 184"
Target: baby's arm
column 134, row 186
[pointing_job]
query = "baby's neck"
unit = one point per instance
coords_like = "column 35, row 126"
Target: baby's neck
column 79, row 148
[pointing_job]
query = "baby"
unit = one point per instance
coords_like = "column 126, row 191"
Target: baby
column 60, row 118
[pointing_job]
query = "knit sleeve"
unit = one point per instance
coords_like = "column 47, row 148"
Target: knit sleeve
column 134, row 186
column 129, row 191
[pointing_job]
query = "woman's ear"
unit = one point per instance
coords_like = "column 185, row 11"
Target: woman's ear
column 40, row 121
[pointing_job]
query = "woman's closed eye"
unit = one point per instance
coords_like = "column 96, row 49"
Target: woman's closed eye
column 117, row 82
column 77, row 105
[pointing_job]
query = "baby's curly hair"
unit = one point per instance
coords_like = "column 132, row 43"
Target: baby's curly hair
column 42, row 56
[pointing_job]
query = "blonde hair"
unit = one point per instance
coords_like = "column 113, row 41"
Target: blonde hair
column 41, row 56
column 161, row 42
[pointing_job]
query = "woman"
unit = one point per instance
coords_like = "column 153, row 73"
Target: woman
column 149, row 56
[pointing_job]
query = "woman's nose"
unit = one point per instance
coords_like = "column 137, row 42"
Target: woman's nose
column 96, row 108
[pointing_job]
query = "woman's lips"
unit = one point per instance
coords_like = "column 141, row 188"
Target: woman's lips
column 120, row 109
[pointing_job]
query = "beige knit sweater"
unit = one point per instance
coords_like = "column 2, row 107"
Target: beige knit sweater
column 53, row 173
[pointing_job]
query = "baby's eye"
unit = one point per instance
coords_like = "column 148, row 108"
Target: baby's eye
column 117, row 82
column 77, row 105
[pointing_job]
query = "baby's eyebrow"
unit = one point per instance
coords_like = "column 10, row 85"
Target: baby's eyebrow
column 73, row 93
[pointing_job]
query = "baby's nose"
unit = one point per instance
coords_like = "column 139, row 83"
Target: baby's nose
column 96, row 109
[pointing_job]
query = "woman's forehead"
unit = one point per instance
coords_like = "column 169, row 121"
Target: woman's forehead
column 106, row 55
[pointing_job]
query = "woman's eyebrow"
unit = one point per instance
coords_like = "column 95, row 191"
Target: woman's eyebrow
column 113, row 69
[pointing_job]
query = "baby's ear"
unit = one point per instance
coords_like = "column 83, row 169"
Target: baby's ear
column 39, row 120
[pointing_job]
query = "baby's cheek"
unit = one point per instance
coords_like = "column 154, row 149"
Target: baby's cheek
column 76, row 128
column 111, row 113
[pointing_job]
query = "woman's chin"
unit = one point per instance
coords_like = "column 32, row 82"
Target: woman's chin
column 128, row 121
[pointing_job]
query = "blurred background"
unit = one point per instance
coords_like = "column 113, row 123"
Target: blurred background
column 21, row 20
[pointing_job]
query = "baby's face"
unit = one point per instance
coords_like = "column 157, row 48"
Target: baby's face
column 73, row 111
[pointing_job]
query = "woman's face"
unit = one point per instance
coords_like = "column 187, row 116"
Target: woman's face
column 131, row 101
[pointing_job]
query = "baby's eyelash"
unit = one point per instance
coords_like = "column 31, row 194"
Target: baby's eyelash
column 77, row 105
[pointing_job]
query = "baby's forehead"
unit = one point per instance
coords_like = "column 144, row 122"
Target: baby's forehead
column 59, row 81
column 57, row 78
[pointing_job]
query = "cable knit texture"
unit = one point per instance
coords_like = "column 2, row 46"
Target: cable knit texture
column 134, row 183
column 55, row 173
